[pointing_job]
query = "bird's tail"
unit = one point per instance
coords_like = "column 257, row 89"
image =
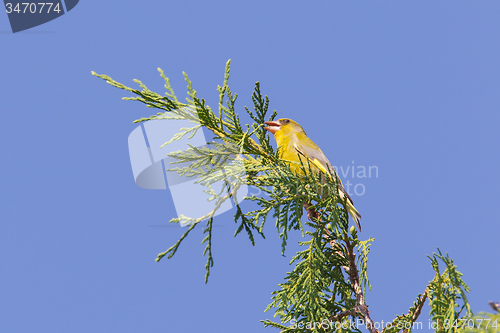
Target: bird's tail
column 356, row 216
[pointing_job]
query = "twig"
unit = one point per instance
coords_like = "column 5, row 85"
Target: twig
column 361, row 306
column 353, row 274
column 423, row 298
column 495, row 306
column 418, row 309
column 360, row 309
column 343, row 314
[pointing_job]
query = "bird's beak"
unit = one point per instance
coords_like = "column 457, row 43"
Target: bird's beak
column 272, row 126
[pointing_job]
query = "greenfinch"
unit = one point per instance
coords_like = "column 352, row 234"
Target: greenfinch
column 293, row 144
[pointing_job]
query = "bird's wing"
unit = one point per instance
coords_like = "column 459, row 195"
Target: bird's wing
column 314, row 154
column 311, row 151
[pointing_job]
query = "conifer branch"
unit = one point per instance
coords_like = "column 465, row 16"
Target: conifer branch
column 327, row 281
column 419, row 307
column 360, row 309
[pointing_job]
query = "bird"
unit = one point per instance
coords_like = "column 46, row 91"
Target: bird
column 293, row 143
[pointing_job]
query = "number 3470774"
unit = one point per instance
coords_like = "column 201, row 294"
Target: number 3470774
column 32, row 7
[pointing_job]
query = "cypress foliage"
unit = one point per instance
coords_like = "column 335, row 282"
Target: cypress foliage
column 325, row 291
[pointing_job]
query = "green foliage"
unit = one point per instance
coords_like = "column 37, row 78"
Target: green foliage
column 238, row 155
column 325, row 290
column 447, row 300
column 232, row 157
column 447, row 297
column 318, row 287
column 406, row 321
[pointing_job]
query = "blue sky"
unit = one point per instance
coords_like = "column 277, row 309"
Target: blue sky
column 410, row 87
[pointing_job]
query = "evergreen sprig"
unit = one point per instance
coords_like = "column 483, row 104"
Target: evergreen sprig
column 325, row 290
column 447, row 297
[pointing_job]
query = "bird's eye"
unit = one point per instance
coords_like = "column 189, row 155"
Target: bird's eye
column 287, row 121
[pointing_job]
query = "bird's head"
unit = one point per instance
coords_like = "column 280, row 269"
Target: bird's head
column 283, row 127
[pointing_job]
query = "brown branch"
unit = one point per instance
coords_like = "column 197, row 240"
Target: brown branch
column 353, row 274
column 360, row 309
column 418, row 309
column 423, row 298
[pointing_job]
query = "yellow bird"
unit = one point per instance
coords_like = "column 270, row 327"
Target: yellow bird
column 293, row 143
